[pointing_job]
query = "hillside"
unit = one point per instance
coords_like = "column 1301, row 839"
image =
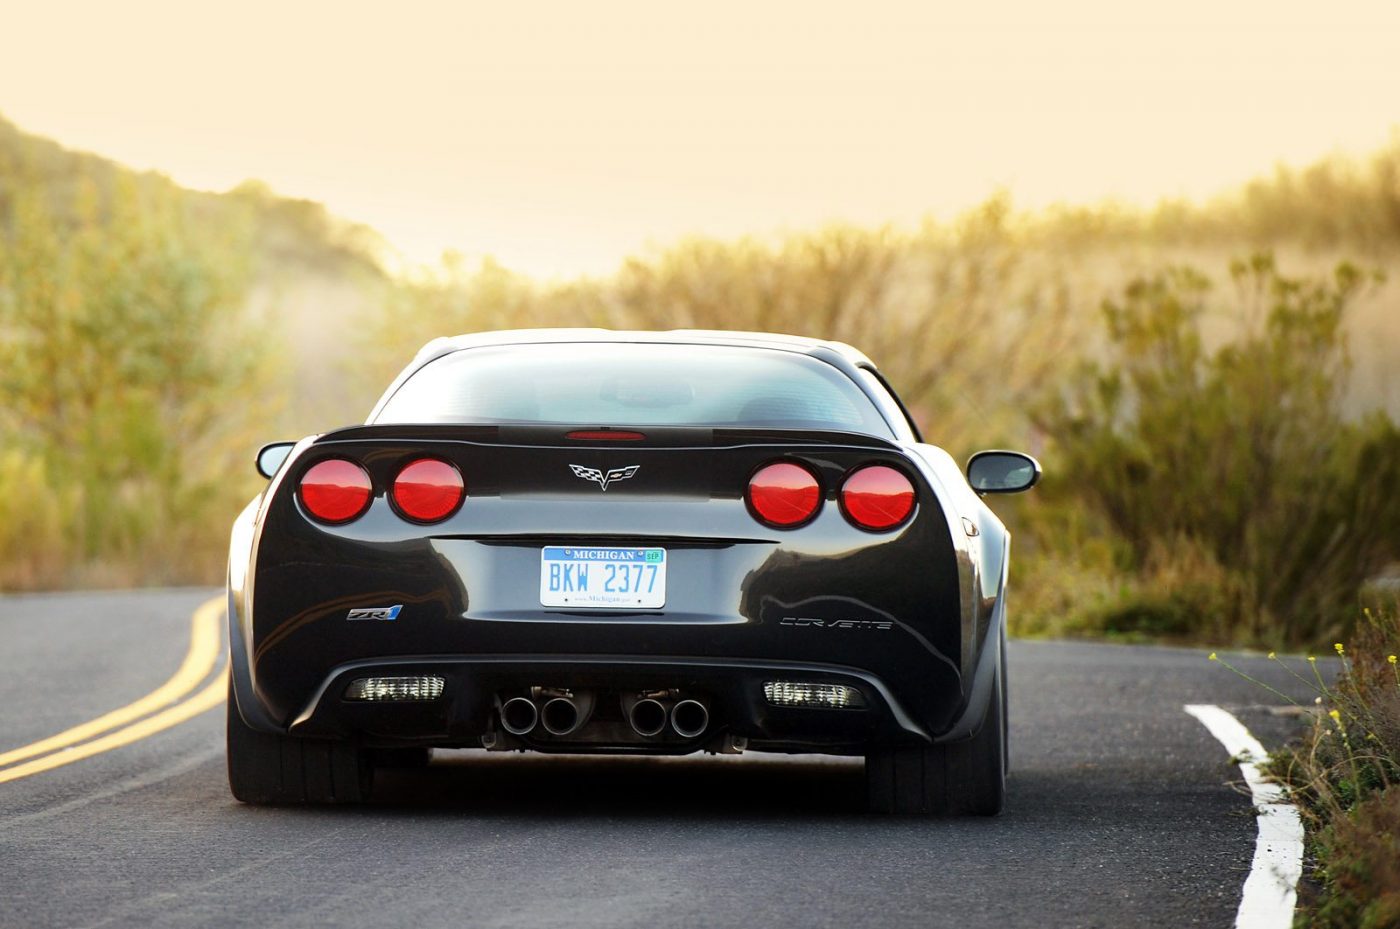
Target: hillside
column 310, row 272
column 151, row 337
column 290, row 233
column 319, row 291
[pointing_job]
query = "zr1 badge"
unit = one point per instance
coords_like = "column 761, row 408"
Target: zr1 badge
column 376, row 612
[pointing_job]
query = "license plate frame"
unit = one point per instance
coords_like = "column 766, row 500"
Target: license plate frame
column 599, row 577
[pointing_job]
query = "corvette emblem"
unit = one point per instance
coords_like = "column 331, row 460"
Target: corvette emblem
column 601, row 479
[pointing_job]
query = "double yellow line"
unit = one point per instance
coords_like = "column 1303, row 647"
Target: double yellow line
column 142, row 718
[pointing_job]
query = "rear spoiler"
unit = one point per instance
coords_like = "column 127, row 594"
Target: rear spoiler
column 556, row 436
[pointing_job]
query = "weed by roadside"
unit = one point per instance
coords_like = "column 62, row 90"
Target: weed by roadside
column 1345, row 777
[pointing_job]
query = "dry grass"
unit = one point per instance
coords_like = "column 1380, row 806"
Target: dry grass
column 1346, row 776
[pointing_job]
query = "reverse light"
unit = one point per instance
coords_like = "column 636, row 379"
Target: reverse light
column 396, row 689
column 784, row 495
column 428, row 490
column 877, row 497
column 335, row 490
column 822, row 696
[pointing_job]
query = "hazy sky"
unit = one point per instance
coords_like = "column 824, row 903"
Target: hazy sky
column 560, row 137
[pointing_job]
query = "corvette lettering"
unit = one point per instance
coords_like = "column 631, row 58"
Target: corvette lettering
column 814, row 623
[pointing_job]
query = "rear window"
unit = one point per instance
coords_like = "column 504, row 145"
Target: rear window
column 626, row 384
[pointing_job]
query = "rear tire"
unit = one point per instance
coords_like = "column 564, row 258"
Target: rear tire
column 264, row 767
column 953, row 779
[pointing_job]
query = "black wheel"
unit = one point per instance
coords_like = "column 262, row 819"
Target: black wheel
column 268, row 768
column 958, row 778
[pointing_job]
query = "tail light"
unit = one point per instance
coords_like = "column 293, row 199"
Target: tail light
column 335, row 490
column 784, row 495
column 877, row 497
column 605, row 435
column 428, row 490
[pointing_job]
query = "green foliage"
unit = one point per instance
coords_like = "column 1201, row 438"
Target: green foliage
column 1360, row 855
column 1346, row 778
column 138, row 351
column 121, row 346
column 35, row 521
column 1220, row 492
column 1234, row 459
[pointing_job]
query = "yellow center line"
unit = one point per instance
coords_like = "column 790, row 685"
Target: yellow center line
column 199, row 661
column 211, row 696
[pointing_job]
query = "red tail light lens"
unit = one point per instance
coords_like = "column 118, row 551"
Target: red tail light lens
column 784, row 495
column 429, row 490
column 335, row 490
column 604, row 435
column 877, row 497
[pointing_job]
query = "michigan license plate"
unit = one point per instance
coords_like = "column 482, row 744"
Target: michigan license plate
column 615, row 578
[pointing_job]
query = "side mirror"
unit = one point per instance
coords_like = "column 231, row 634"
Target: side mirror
column 998, row 472
column 271, row 457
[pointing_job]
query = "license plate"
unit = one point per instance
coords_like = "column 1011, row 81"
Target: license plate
column 615, row 578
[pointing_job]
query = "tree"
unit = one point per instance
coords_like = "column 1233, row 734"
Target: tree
column 123, row 358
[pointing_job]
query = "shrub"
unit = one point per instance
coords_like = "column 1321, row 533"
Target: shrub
column 1346, row 778
column 962, row 319
column 1237, row 455
column 1360, row 866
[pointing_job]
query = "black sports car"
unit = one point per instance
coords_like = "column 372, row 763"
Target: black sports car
column 627, row 542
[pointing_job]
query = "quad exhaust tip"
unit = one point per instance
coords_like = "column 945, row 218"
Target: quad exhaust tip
column 561, row 716
column 519, row 715
column 689, row 718
column 647, row 717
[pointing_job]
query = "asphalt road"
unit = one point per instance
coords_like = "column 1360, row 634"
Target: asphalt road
column 1120, row 812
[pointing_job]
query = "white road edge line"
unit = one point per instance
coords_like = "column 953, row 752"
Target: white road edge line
column 1271, row 890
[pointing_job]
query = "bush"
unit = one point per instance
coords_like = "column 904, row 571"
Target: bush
column 1360, row 855
column 1236, row 459
column 1346, row 778
column 960, row 318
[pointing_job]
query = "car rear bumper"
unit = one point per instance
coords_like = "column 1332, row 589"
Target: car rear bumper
column 732, row 690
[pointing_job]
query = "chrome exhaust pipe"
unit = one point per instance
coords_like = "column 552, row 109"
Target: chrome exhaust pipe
column 519, row 715
column 563, row 715
column 647, row 717
column 689, row 718
column 560, row 716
